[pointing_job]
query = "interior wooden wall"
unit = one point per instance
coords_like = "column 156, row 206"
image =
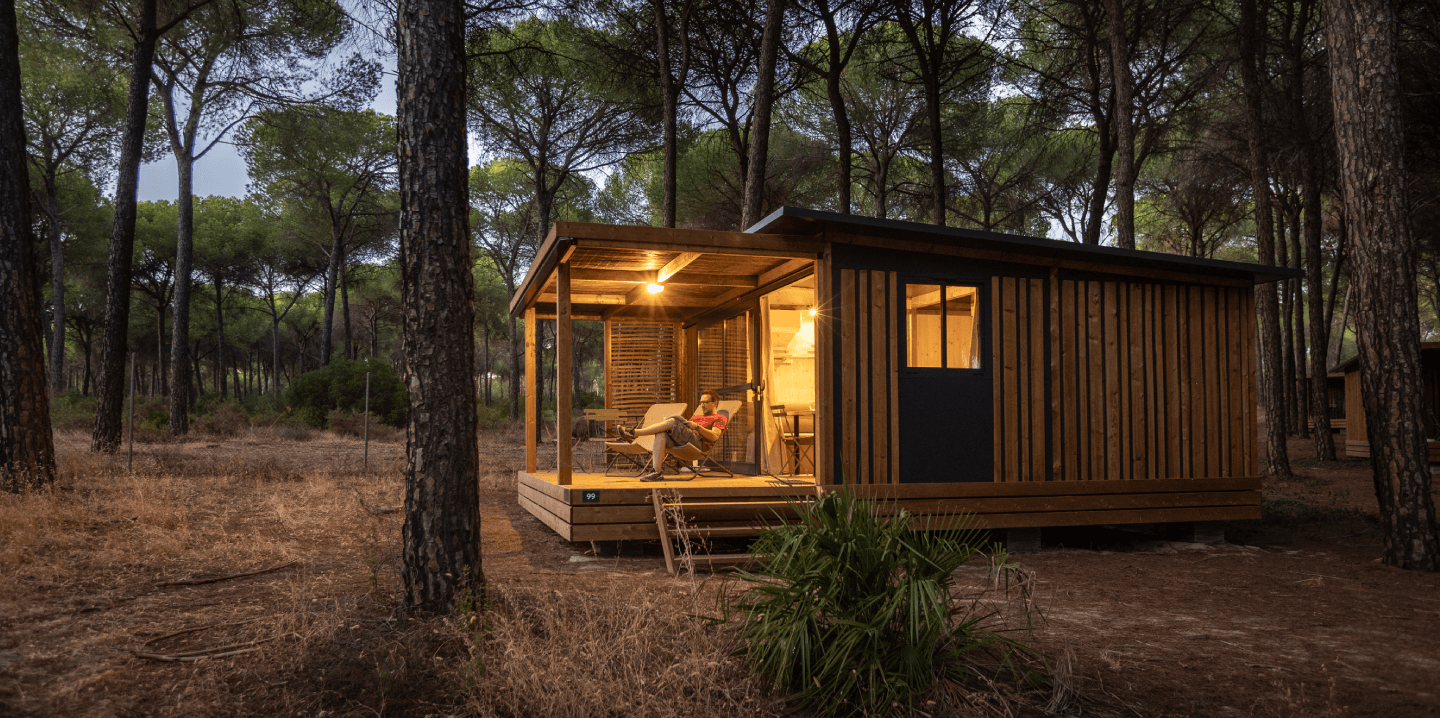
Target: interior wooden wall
column 1144, row 381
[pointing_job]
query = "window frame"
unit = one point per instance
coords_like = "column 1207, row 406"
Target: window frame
column 982, row 291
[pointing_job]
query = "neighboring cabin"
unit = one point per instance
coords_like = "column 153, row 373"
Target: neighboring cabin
column 1028, row 381
column 1357, row 441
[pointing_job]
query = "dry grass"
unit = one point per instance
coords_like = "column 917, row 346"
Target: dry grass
column 81, row 567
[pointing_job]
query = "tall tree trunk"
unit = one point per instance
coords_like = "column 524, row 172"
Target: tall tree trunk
column 441, row 552
column 1103, row 168
column 332, row 279
column 57, row 286
column 275, row 362
column 1273, row 388
column 220, row 341
column 27, row 445
column 115, row 342
column 160, row 384
column 345, row 307
column 669, row 98
column 1287, row 316
column 1362, row 39
column 753, row 203
column 1319, row 322
column 180, row 398
column 1124, row 126
column 845, row 139
column 1297, row 310
column 935, row 150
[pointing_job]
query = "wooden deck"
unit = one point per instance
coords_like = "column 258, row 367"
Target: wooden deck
column 597, row 507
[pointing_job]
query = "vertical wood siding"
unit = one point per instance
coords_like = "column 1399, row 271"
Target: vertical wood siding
column 869, row 376
column 1145, row 381
column 642, row 362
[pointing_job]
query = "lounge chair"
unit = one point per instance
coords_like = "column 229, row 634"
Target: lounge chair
column 697, row 458
column 625, row 455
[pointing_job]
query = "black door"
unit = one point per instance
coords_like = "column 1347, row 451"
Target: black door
column 946, row 399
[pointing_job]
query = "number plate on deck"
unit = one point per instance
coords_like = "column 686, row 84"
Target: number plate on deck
column 590, row 497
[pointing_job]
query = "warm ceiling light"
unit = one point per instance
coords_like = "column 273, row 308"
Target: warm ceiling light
column 812, row 311
column 655, row 288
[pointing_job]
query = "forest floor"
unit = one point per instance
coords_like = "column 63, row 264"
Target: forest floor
column 1294, row 616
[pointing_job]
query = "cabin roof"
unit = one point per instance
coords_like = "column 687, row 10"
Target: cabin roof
column 703, row 270
column 1353, row 362
column 800, row 221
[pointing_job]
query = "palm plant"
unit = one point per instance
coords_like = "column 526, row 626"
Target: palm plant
column 858, row 614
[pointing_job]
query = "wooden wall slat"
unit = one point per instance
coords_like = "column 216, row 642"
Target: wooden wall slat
column 864, row 441
column 1173, row 392
column 1069, row 330
column 1112, row 385
column 1019, row 398
column 1012, row 385
column 1138, row 433
column 1234, row 366
column 847, row 438
column 824, row 373
column 879, row 386
column 1252, row 398
column 997, row 375
column 1196, row 355
column 1095, row 363
column 1036, row 316
column 894, row 376
column 1056, row 390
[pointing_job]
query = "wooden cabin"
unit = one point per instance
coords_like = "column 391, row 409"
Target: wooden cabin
column 1334, row 402
column 1357, row 441
column 1026, row 381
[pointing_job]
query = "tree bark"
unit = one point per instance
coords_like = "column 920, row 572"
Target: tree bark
column 57, row 287
column 441, row 552
column 332, row 279
column 1362, row 37
column 115, row 342
column 1287, row 328
column 345, row 312
column 516, row 359
column 1273, row 384
column 670, row 87
column 1124, row 126
column 180, row 399
column 754, row 200
column 220, row 383
column 27, row 445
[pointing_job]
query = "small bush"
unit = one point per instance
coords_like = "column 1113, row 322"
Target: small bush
column 494, row 416
column 227, row 420
column 72, row 410
column 341, row 387
column 294, row 433
column 348, row 424
column 857, row 614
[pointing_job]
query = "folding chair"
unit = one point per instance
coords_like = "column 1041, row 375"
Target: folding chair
column 797, row 445
column 589, row 438
column 636, row 455
column 698, row 458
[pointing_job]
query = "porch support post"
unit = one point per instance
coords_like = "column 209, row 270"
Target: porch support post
column 532, row 404
column 563, row 356
column 685, row 387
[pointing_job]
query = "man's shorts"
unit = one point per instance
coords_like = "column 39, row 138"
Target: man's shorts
column 681, row 435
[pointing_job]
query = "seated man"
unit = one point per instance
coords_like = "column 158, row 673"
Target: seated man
column 701, row 431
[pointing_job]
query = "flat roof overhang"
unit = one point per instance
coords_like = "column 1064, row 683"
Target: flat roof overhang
column 915, row 236
column 703, row 271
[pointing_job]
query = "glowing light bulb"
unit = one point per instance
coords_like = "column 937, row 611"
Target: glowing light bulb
column 812, row 311
column 655, row 288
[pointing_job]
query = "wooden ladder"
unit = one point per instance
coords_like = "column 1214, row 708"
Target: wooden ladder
column 717, row 510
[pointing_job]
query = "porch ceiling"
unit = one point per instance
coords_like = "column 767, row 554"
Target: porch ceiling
column 612, row 282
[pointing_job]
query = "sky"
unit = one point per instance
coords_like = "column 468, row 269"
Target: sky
column 222, row 171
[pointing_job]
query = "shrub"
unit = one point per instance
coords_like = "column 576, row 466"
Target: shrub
column 226, row 420
column 73, row 410
column 294, row 433
column 348, row 424
column 493, row 416
column 341, row 386
column 857, row 614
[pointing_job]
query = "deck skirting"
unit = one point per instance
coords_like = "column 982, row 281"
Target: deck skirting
column 597, row 508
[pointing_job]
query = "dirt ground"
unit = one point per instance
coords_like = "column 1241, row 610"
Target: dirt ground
column 1293, row 616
